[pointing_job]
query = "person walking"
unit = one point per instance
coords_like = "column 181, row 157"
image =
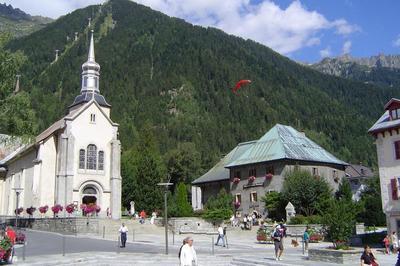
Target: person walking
column 306, row 238
column 368, row 258
column 188, row 255
column 394, row 241
column 142, row 217
column 221, row 235
column 123, row 230
column 277, row 236
column 386, row 242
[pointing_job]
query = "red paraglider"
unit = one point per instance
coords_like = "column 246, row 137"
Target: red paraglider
column 239, row 84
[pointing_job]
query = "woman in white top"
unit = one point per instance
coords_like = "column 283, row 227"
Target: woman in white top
column 188, row 254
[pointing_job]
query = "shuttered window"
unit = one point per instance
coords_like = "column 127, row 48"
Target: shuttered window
column 393, row 185
column 397, row 149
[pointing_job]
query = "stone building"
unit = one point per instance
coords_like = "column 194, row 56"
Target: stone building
column 358, row 175
column 387, row 139
column 75, row 160
column 254, row 168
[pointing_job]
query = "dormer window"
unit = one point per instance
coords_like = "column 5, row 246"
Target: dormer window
column 395, row 114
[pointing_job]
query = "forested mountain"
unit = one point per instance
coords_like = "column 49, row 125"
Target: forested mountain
column 176, row 79
column 381, row 70
column 19, row 23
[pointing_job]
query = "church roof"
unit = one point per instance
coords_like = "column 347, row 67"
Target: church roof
column 284, row 142
column 88, row 96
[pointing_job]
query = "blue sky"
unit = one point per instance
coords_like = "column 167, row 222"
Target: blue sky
column 304, row 30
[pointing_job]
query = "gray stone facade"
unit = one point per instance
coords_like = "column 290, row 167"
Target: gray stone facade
column 250, row 193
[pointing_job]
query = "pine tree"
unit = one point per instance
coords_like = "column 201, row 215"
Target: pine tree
column 183, row 206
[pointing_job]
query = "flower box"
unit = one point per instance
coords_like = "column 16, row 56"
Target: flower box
column 252, row 178
column 236, row 180
column 269, row 176
column 20, row 238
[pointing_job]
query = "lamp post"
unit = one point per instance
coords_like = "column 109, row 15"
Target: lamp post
column 165, row 185
column 18, row 191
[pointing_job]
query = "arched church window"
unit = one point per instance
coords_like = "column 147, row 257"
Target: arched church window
column 81, row 159
column 91, row 161
column 101, row 160
column 89, row 190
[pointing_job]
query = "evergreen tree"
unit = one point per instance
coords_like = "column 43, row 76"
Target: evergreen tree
column 143, row 172
column 344, row 191
column 371, row 202
column 219, row 208
column 183, row 206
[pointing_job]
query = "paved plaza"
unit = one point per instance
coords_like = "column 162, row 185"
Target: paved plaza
column 148, row 248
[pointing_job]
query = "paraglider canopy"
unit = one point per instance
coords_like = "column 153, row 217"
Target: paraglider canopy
column 239, row 84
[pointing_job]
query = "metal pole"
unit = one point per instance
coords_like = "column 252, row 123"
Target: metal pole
column 16, row 210
column 212, row 245
column 133, row 235
column 226, row 241
column 104, row 231
column 302, row 245
column 173, row 237
column 166, row 221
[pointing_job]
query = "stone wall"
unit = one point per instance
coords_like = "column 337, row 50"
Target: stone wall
column 188, row 225
column 348, row 257
column 73, row 225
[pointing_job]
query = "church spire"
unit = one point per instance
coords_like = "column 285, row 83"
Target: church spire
column 90, row 71
column 90, row 81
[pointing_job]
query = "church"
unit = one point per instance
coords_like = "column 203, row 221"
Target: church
column 76, row 160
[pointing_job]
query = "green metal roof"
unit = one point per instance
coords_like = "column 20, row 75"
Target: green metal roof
column 219, row 172
column 284, row 142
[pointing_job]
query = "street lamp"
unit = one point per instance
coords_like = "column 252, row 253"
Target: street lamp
column 165, row 185
column 18, row 191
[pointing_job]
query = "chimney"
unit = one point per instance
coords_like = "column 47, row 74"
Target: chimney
column 76, row 36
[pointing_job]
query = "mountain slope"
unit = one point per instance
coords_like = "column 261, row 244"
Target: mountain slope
column 18, row 23
column 177, row 77
column 381, row 70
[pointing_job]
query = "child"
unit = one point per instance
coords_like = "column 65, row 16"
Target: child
column 386, row 242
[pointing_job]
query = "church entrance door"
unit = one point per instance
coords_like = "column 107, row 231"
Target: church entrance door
column 89, row 200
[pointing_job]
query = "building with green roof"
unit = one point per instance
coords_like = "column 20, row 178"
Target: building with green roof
column 254, row 168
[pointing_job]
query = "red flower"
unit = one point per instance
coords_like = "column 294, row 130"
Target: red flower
column 30, row 210
column 43, row 209
column 70, row 208
column 56, row 208
column 252, row 178
column 236, row 180
column 237, row 204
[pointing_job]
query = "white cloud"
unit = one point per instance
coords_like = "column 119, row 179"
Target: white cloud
column 283, row 29
column 346, row 47
column 397, row 41
column 325, row 52
column 50, row 8
column 344, row 28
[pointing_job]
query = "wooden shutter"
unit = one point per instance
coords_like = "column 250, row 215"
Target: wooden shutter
column 393, row 185
column 397, row 149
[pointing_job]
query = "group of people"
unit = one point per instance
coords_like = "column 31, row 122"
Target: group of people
column 391, row 243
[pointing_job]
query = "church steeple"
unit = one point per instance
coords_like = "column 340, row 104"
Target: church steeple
column 90, row 80
column 90, row 71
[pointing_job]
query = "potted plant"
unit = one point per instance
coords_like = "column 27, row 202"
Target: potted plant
column 43, row 209
column 70, row 208
column 19, row 211
column 236, row 180
column 30, row 211
column 98, row 209
column 56, row 209
column 20, row 238
column 252, row 178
